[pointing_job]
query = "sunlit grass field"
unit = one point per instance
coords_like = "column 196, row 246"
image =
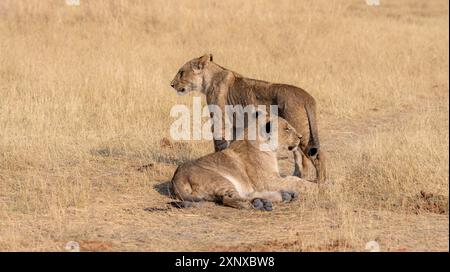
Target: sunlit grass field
column 85, row 102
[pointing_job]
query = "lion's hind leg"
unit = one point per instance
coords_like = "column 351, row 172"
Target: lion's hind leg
column 236, row 201
column 226, row 193
column 254, row 201
column 319, row 163
column 263, row 200
column 257, row 200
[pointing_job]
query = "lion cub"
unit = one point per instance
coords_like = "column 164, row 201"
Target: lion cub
column 243, row 176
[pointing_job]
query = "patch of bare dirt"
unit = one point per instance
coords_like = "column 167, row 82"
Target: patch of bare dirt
column 292, row 245
column 427, row 202
column 93, row 245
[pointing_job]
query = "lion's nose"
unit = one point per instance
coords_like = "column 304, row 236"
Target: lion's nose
column 172, row 85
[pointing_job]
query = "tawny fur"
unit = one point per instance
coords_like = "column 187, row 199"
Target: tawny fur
column 240, row 174
column 224, row 87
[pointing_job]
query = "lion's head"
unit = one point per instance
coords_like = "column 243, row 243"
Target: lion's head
column 190, row 76
column 285, row 136
column 274, row 132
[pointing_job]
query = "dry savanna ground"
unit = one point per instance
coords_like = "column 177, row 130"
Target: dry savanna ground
column 85, row 102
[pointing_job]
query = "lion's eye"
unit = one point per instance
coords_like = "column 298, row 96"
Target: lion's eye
column 181, row 74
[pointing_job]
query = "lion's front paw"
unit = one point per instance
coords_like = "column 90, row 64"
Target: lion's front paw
column 289, row 196
column 262, row 204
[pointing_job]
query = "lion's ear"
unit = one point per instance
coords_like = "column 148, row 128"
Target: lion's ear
column 201, row 62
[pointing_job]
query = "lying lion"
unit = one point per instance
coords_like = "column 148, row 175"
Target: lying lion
column 224, row 87
column 242, row 176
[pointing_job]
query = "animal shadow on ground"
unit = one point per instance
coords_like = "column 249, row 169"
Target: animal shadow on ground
column 164, row 188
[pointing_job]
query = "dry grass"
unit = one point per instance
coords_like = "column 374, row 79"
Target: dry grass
column 85, row 101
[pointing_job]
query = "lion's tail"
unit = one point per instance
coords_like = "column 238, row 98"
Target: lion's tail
column 313, row 144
